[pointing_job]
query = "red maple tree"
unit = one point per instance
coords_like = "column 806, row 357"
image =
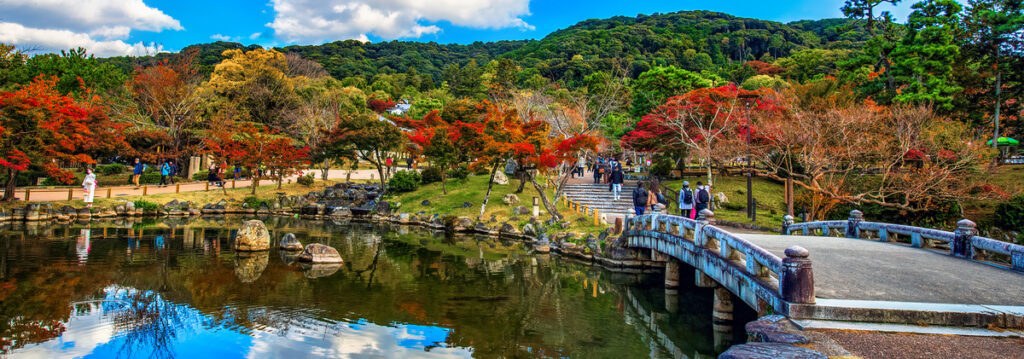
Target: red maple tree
column 258, row 148
column 39, row 126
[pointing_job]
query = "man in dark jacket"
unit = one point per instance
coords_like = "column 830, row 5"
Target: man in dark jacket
column 640, row 198
column 617, row 178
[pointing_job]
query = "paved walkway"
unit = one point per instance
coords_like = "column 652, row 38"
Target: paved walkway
column 855, row 269
column 61, row 193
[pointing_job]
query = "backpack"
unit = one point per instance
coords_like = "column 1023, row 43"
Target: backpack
column 687, row 196
column 639, row 197
column 703, row 196
column 661, row 198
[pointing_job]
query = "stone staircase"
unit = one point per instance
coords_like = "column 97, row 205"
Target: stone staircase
column 598, row 196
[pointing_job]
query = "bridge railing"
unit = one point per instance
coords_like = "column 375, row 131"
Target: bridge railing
column 760, row 263
column 785, row 280
column 963, row 242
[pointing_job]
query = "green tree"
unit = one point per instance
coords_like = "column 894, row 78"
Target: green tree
column 877, row 52
column 12, row 66
column 996, row 24
column 74, row 68
column 364, row 137
column 923, row 62
column 653, row 87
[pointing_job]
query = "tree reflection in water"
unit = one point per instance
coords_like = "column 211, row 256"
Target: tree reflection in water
column 146, row 322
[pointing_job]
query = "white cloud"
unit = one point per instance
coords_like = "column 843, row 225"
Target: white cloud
column 255, row 35
column 50, row 40
column 319, row 20
column 100, row 26
column 221, row 37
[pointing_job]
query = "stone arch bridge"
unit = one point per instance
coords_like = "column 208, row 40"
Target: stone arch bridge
column 832, row 273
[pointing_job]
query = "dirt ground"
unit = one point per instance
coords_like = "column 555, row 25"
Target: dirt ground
column 872, row 345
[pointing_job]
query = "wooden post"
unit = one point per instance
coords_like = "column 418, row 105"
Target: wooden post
column 597, row 218
column 207, row 186
column 70, row 194
column 145, row 190
column 108, row 192
column 586, row 209
column 232, row 184
column 28, row 194
column 177, row 188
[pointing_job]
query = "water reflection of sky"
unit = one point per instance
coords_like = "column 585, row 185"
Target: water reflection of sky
column 100, row 330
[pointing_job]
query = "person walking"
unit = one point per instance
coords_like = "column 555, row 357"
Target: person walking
column 173, row 171
column 702, row 197
column 165, row 170
column 654, row 196
column 137, row 172
column 89, row 186
column 581, row 164
column 640, row 195
column 617, row 178
column 212, row 176
column 686, row 201
column 597, row 171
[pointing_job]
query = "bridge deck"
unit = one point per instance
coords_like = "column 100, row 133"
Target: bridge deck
column 868, row 270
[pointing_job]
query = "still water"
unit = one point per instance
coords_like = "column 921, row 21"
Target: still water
column 174, row 288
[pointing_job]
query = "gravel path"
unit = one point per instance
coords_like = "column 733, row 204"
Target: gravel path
column 872, row 345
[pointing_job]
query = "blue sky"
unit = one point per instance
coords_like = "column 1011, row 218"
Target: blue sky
column 117, row 27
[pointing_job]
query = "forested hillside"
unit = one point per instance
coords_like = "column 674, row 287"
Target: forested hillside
column 691, row 40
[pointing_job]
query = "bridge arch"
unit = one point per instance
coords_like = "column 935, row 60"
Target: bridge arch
column 757, row 277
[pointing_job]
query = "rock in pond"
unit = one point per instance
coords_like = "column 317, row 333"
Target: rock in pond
column 319, row 253
column 289, row 243
column 253, row 236
column 770, row 351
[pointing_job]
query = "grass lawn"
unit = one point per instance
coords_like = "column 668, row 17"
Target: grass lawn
column 473, row 189
column 770, row 197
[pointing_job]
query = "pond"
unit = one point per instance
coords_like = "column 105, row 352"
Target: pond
column 174, row 288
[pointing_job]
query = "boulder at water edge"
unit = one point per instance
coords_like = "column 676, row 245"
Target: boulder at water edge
column 319, row 253
column 289, row 243
column 253, row 236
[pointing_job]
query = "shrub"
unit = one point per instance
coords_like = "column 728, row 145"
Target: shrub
column 306, row 180
column 1010, row 214
column 732, row 206
column 150, row 176
column 459, row 173
column 111, row 169
column 404, row 181
column 147, row 206
column 430, row 175
column 253, row 202
column 201, row 175
column 662, row 167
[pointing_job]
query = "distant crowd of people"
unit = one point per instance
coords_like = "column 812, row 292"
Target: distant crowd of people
column 647, row 196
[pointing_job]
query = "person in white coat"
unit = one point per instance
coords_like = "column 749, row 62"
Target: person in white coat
column 89, row 185
column 686, row 201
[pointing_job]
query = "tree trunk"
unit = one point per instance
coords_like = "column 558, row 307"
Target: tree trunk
column 522, row 180
column 12, row 180
column 255, row 180
column 487, row 197
column 279, row 180
column 999, row 85
column 326, row 167
column 544, row 198
column 444, row 181
column 709, row 172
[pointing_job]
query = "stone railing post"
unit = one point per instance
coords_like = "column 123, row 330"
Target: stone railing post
column 796, row 282
column 853, row 224
column 961, row 245
column 704, row 217
column 787, row 221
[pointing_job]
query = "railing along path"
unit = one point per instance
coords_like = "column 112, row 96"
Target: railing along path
column 963, row 242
